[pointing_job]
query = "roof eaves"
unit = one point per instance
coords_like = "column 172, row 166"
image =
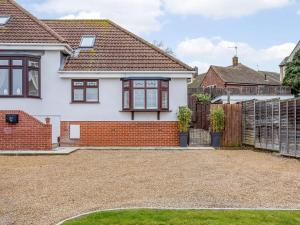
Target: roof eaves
column 39, row 22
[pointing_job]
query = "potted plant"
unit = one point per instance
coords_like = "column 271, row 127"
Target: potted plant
column 184, row 119
column 216, row 126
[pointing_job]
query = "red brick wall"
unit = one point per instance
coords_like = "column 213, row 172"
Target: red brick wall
column 119, row 133
column 28, row 134
column 211, row 78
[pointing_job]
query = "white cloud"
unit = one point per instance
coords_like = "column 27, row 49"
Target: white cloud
column 219, row 9
column 203, row 52
column 137, row 15
column 298, row 12
column 83, row 15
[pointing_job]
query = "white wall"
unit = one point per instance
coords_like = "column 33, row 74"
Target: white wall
column 56, row 98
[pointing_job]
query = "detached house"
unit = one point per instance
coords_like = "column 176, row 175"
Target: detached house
column 84, row 83
column 237, row 82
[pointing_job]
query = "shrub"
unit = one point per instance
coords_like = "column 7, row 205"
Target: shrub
column 184, row 118
column 217, row 119
column 202, row 98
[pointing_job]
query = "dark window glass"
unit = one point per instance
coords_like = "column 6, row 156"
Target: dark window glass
column 85, row 91
column 145, row 95
column 19, row 76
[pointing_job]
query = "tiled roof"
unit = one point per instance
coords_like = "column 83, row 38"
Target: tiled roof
column 116, row 49
column 241, row 74
column 24, row 27
column 197, row 82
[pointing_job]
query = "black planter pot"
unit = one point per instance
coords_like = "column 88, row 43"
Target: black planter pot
column 183, row 139
column 216, row 139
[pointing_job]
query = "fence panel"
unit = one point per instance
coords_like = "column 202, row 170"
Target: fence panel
column 232, row 135
column 276, row 125
column 248, row 123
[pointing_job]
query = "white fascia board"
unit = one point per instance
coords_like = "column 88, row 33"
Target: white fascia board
column 123, row 74
column 37, row 46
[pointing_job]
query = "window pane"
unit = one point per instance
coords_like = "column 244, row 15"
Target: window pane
column 164, row 100
column 152, row 101
column 164, row 84
column 78, row 95
column 4, row 20
column 78, row 83
column 17, row 81
column 4, row 82
column 126, row 84
column 4, row 62
column 126, row 100
column 17, row 62
column 87, row 41
column 151, row 83
column 33, row 83
column 91, row 83
column 139, row 98
column 138, row 83
column 92, row 94
column 34, row 64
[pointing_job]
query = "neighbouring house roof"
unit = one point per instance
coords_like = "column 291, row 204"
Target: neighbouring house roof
column 242, row 74
column 116, row 49
column 197, row 81
column 23, row 27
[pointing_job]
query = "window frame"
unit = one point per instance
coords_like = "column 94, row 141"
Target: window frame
column 84, row 87
column 87, row 36
column 25, row 74
column 7, row 19
column 159, row 89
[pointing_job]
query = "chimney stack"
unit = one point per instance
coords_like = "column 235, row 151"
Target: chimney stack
column 235, row 61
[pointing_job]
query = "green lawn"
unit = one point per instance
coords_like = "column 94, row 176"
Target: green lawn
column 189, row 217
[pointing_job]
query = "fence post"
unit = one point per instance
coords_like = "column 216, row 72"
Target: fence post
column 295, row 122
column 272, row 121
column 279, row 118
column 254, row 116
column 287, row 127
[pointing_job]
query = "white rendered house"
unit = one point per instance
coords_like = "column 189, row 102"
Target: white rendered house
column 99, row 84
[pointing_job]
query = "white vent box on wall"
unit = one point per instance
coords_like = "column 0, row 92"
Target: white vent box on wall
column 74, row 131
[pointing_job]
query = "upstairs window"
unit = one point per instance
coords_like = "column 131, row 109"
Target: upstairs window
column 87, row 41
column 145, row 95
column 4, row 20
column 85, row 91
column 20, row 77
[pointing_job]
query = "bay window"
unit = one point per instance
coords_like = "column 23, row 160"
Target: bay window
column 85, row 91
column 151, row 94
column 20, row 76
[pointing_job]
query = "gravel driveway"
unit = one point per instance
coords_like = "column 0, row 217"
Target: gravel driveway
column 46, row 189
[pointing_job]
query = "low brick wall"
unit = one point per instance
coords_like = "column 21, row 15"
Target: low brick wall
column 119, row 133
column 28, row 134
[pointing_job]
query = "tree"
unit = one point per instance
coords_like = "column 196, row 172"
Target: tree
column 162, row 46
column 292, row 74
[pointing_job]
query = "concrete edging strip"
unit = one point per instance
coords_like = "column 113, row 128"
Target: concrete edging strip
column 162, row 208
column 69, row 150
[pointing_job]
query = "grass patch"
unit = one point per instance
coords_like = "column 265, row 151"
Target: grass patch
column 188, row 217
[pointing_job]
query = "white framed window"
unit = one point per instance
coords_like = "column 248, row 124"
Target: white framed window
column 87, row 41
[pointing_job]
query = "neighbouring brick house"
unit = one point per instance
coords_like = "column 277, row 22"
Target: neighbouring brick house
column 97, row 83
column 242, row 83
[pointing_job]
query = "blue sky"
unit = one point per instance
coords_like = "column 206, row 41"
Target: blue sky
column 200, row 32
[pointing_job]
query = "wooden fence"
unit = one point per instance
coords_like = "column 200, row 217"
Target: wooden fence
column 272, row 125
column 232, row 135
column 233, row 118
